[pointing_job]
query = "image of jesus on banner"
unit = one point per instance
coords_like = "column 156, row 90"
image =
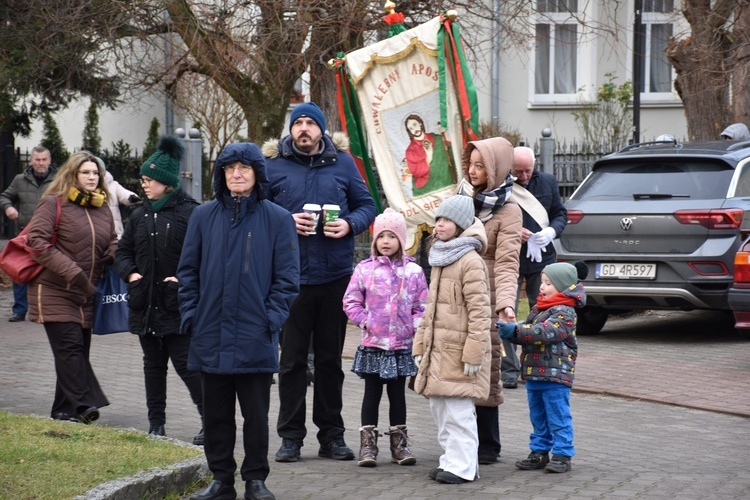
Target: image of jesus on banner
column 426, row 157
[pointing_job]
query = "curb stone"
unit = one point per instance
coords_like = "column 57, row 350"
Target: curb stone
column 152, row 483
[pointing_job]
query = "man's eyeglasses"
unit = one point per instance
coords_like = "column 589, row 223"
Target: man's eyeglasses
column 89, row 173
column 229, row 169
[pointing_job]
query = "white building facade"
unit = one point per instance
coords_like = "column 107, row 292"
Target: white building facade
column 573, row 46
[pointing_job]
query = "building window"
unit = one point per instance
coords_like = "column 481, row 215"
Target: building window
column 656, row 69
column 559, row 57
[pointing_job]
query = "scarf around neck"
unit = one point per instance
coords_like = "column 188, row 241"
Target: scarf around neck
column 558, row 299
column 488, row 202
column 86, row 198
column 444, row 253
column 157, row 205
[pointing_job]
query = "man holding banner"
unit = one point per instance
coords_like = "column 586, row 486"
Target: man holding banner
column 306, row 167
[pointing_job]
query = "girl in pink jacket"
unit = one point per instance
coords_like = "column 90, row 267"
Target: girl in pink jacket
column 386, row 298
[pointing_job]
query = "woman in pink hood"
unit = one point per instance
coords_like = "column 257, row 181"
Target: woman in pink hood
column 487, row 168
column 386, row 298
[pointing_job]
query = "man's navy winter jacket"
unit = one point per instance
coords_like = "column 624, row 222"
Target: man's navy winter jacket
column 238, row 274
column 330, row 177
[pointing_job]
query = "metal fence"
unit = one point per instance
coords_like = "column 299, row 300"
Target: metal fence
column 570, row 161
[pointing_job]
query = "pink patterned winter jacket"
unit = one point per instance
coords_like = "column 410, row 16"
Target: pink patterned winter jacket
column 386, row 298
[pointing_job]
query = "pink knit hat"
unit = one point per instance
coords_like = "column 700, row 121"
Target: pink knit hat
column 390, row 220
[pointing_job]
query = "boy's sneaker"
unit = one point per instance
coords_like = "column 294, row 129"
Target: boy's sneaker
column 535, row 461
column 558, row 464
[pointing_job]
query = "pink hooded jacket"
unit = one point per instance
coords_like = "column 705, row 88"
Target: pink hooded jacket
column 386, row 297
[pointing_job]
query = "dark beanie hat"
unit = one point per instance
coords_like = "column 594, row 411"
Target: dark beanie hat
column 164, row 164
column 309, row 110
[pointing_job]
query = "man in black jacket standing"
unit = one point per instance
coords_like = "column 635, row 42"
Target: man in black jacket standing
column 18, row 203
column 544, row 219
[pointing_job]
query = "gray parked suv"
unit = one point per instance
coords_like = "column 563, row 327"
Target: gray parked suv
column 659, row 225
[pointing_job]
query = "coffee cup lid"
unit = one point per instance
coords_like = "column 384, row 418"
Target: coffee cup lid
column 331, row 207
column 311, row 206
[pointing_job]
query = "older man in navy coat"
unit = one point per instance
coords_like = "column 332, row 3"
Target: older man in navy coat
column 239, row 274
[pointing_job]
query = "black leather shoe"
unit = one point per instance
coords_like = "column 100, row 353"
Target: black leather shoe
column 289, row 451
column 336, row 449
column 199, row 438
column 256, row 490
column 61, row 415
column 17, row 317
column 487, row 458
column 510, row 384
column 88, row 415
column 216, row 490
column 157, row 430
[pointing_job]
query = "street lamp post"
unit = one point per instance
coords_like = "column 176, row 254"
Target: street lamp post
column 638, row 39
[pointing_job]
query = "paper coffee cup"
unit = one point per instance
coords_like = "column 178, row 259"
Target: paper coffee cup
column 313, row 208
column 330, row 213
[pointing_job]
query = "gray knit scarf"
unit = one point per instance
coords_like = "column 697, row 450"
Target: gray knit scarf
column 443, row 253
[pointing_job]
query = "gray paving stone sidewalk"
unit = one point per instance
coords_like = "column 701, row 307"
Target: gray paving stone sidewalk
column 626, row 446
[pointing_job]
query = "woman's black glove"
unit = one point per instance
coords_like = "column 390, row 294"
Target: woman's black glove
column 82, row 281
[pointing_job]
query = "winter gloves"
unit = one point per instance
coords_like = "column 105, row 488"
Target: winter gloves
column 533, row 250
column 537, row 243
column 506, row 330
column 544, row 237
column 471, row 370
column 81, row 281
column 133, row 199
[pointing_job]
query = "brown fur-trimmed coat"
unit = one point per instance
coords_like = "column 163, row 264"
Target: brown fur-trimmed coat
column 503, row 246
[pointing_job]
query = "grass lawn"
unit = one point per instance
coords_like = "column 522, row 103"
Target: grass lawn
column 41, row 458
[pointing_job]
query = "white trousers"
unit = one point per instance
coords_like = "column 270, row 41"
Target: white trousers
column 457, row 435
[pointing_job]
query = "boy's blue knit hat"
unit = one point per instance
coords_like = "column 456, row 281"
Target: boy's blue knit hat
column 309, row 110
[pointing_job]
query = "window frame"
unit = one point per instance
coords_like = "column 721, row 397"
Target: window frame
column 648, row 20
column 585, row 52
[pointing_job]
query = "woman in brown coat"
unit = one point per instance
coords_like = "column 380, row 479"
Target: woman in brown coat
column 61, row 298
column 486, row 166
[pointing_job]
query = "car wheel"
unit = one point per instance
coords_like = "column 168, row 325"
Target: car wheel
column 591, row 320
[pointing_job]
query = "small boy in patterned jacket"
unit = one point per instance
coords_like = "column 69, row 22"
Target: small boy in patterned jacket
column 548, row 358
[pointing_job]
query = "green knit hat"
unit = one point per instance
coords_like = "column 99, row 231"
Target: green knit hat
column 562, row 275
column 164, row 164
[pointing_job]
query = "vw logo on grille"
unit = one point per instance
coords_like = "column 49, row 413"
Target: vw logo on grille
column 626, row 224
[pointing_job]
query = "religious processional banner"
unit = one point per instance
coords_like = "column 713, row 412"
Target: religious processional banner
column 416, row 151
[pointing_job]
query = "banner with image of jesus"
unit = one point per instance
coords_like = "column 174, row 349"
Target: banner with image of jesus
column 418, row 157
